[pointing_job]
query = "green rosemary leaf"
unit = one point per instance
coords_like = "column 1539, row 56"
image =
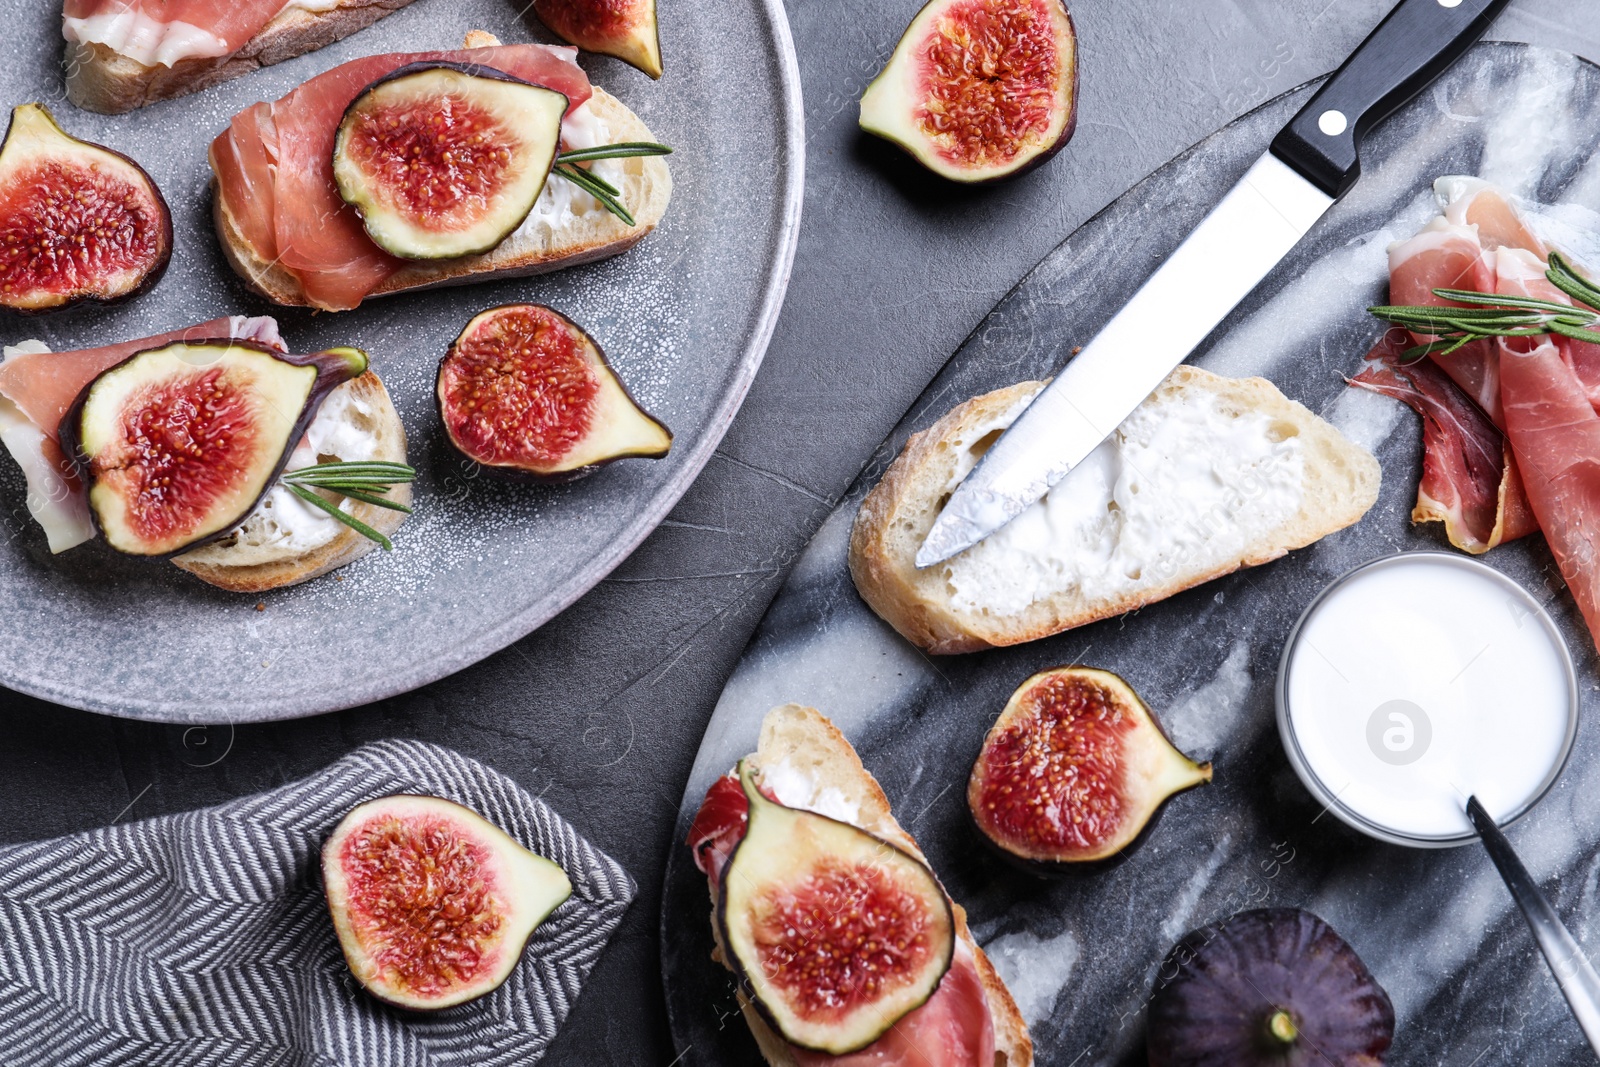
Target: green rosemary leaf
column 1574, row 332
column 597, row 189
column 1496, row 300
column 375, row 470
column 343, row 516
column 371, row 498
column 621, row 150
column 589, row 178
column 1569, row 281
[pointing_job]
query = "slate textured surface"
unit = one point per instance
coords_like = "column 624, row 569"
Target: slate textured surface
column 601, row 711
column 1081, row 953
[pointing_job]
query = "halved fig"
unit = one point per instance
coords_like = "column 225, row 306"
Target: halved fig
column 1275, row 987
column 177, row 444
column 1074, row 771
column 77, row 221
column 433, row 904
column 979, row 90
column 837, row 934
column 446, row 159
column 524, row 392
column 622, row 28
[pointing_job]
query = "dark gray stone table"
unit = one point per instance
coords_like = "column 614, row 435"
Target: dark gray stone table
column 601, row 711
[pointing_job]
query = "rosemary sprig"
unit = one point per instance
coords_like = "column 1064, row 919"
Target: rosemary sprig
column 365, row 481
column 620, row 150
column 566, row 166
column 1494, row 315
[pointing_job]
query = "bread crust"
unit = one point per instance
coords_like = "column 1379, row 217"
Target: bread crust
column 646, row 189
column 1341, row 484
column 240, row 568
column 806, row 738
column 100, row 79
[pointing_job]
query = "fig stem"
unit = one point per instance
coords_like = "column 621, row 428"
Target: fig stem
column 1281, row 1026
column 620, row 150
column 1494, row 315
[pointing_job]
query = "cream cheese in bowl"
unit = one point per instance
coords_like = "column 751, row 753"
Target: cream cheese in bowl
column 1418, row 680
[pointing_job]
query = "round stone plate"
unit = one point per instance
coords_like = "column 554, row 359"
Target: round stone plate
column 684, row 317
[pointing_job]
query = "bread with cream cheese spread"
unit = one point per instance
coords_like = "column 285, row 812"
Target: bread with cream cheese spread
column 1068, row 563
column 811, row 747
column 284, row 541
column 572, row 238
column 102, row 79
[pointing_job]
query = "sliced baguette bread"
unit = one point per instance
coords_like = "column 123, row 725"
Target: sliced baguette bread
column 266, row 552
column 645, row 183
column 1023, row 584
column 101, row 79
column 811, row 746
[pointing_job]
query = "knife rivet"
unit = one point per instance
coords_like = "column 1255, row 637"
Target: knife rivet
column 1333, row 123
column 1449, row 3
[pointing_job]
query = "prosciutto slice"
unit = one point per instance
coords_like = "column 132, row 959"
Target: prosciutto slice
column 1555, row 434
column 1469, row 480
column 38, row 386
column 165, row 31
column 954, row 1028
column 1447, row 255
column 274, row 168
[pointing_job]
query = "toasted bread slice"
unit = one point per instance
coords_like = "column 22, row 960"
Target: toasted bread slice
column 1338, row 483
column 805, row 740
column 645, row 183
column 261, row 555
column 103, row 80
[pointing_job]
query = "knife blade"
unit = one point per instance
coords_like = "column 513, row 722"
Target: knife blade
column 1311, row 163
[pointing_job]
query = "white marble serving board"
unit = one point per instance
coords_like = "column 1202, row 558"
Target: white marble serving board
column 1436, row 927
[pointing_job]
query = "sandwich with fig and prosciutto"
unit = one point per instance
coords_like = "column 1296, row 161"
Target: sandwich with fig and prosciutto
column 215, row 447
column 414, row 170
column 124, row 54
column 848, row 951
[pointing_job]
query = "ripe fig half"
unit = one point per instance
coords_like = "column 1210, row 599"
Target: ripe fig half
column 837, row 934
column 1074, row 771
column 78, row 222
column 979, row 89
column 526, row 393
column 622, row 28
column 433, row 904
column 1269, row 988
column 177, row 444
column 446, row 159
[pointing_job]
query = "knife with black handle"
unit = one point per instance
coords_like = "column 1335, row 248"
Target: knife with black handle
column 1312, row 161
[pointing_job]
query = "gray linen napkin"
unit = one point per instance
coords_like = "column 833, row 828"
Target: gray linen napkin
column 203, row 938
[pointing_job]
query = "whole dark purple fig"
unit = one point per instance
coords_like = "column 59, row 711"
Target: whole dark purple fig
column 1270, row 987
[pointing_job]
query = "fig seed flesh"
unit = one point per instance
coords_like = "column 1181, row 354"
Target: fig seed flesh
column 78, row 222
column 525, row 392
column 1074, row 770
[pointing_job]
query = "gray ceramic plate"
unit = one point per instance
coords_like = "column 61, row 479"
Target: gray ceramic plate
column 685, row 317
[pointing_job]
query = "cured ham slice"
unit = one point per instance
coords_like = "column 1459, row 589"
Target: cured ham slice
column 1447, row 255
column 166, row 31
column 954, row 1028
column 274, row 167
column 1469, row 480
column 37, row 387
column 1555, row 434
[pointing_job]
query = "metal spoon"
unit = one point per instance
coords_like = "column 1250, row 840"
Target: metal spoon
column 1573, row 973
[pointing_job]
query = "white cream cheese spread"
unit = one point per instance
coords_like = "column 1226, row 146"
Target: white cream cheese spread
column 283, row 520
column 1182, row 485
column 560, row 202
column 794, row 788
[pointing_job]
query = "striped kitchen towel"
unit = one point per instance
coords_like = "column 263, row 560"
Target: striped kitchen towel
column 203, row 938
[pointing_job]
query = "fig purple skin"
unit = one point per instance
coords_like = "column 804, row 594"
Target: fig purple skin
column 1277, row 987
